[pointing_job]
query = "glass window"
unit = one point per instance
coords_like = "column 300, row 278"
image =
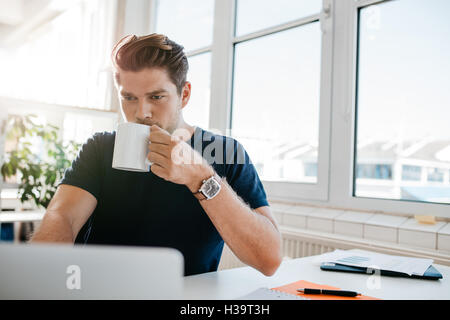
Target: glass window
column 79, row 127
column 196, row 112
column 253, row 15
column 435, row 175
column 310, row 169
column 411, row 173
column 275, row 112
column 63, row 61
column 189, row 23
column 403, row 98
column 18, row 133
column 374, row 171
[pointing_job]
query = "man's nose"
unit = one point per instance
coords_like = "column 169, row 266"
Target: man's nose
column 144, row 110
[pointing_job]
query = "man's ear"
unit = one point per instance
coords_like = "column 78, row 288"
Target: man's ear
column 185, row 94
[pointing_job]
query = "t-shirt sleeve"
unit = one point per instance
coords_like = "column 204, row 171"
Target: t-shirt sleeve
column 242, row 176
column 85, row 171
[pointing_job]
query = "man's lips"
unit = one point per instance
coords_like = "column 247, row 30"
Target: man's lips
column 148, row 123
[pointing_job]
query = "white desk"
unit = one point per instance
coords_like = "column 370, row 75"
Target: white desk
column 21, row 216
column 234, row 283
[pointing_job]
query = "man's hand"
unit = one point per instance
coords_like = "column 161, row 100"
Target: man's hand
column 240, row 227
column 175, row 161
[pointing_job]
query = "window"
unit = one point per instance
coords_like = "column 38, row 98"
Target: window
column 276, row 87
column 403, row 98
column 411, row 173
column 79, row 127
column 65, row 59
column 338, row 103
column 196, row 111
column 190, row 23
column 276, row 94
column 374, row 171
column 16, row 127
column 435, row 175
column 232, row 47
column 254, row 15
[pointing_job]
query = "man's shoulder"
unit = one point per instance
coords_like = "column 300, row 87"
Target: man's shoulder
column 216, row 136
column 102, row 138
column 224, row 149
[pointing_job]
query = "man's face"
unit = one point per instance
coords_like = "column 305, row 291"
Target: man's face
column 150, row 97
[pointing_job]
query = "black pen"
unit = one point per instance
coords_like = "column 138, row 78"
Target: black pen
column 342, row 293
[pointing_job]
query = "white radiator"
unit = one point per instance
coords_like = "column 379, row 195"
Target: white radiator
column 301, row 243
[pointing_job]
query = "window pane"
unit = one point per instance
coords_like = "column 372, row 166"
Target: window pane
column 79, row 127
column 189, row 23
column 63, row 61
column 254, row 15
column 374, row 171
column 276, row 102
column 435, row 175
column 196, row 111
column 404, row 101
column 411, row 173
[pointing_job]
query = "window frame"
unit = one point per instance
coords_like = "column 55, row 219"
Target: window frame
column 339, row 22
column 224, row 41
column 343, row 136
column 336, row 165
column 111, row 28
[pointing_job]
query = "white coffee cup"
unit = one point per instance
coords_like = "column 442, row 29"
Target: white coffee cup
column 131, row 147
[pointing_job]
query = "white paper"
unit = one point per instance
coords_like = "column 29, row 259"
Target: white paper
column 269, row 294
column 367, row 259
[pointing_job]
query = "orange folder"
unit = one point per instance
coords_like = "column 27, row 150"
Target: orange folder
column 292, row 289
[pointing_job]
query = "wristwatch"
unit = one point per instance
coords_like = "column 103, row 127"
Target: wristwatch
column 210, row 188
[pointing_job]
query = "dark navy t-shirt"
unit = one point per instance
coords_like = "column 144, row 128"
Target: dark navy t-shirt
column 142, row 209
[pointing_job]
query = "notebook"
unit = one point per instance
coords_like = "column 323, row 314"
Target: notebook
column 374, row 260
column 289, row 292
column 362, row 261
column 431, row 274
column 269, row 294
column 291, row 289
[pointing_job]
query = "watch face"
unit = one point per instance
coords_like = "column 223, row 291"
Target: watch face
column 210, row 188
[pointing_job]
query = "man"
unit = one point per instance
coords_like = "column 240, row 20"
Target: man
column 100, row 205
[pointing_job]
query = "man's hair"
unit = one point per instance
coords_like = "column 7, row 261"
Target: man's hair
column 135, row 53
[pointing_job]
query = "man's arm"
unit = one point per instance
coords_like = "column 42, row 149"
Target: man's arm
column 66, row 214
column 252, row 235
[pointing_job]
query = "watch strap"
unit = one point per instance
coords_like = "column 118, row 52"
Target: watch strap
column 199, row 194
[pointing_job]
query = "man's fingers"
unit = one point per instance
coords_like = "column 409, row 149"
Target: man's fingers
column 162, row 149
column 156, row 128
column 158, row 136
column 158, row 170
column 157, row 158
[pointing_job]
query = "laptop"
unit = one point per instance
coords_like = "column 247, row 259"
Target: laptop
column 64, row 271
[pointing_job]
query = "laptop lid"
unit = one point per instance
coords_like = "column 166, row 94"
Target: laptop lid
column 63, row 271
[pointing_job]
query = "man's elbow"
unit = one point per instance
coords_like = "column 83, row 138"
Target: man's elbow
column 272, row 265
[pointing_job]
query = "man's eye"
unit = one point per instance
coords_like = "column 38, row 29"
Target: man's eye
column 128, row 98
column 157, row 97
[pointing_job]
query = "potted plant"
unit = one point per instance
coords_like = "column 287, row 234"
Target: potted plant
column 38, row 158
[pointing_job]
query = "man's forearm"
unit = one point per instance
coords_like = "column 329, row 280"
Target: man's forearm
column 251, row 236
column 54, row 228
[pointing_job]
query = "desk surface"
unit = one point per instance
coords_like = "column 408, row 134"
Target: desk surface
column 21, row 216
column 234, row 283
